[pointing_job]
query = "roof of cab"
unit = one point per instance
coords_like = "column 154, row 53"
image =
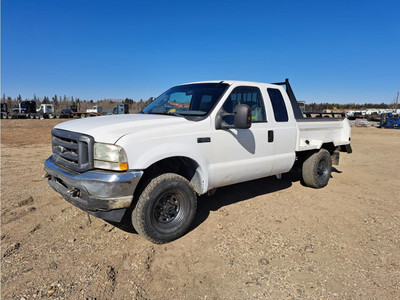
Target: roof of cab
column 230, row 82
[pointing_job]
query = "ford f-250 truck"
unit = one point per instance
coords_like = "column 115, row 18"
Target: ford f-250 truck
column 191, row 140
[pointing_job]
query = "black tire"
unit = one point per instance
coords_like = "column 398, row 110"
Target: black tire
column 317, row 169
column 165, row 209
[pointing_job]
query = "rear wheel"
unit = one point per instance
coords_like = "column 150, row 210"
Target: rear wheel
column 317, row 169
column 165, row 209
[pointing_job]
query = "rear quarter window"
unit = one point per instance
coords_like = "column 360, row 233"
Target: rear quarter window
column 278, row 105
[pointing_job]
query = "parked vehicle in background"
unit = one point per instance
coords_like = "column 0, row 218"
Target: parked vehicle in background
column 189, row 141
column 390, row 120
column 374, row 116
column 4, row 111
column 45, row 111
column 121, row 109
column 27, row 109
column 24, row 110
column 302, row 106
column 90, row 112
column 72, row 112
column 96, row 109
column 66, row 113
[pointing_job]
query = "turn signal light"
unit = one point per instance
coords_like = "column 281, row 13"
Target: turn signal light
column 123, row 166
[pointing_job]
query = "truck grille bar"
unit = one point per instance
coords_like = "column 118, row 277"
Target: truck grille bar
column 72, row 150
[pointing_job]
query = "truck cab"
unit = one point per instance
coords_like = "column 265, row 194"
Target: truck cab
column 46, row 109
column 25, row 109
column 121, row 109
column 96, row 109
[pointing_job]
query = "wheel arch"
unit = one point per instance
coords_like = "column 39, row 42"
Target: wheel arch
column 301, row 156
column 181, row 165
column 329, row 146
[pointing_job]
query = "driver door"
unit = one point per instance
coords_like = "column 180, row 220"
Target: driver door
column 243, row 154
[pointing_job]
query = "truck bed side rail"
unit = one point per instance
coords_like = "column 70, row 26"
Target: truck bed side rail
column 314, row 114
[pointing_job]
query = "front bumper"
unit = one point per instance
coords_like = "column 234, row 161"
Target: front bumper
column 104, row 194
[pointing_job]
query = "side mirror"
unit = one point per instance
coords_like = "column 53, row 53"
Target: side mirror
column 241, row 118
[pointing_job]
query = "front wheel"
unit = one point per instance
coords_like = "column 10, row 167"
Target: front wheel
column 317, row 169
column 165, row 209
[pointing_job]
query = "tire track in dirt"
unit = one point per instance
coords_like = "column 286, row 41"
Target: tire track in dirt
column 12, row 249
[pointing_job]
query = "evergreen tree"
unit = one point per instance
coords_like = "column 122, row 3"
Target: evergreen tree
column 9, row 102
column 55, row 101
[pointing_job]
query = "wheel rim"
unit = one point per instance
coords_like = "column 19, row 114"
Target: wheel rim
column 322, row 169
column 167, row 207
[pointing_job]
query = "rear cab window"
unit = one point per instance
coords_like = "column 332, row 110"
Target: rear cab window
column 278, row 105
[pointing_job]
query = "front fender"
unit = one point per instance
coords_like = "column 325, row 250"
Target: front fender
column 142, row 157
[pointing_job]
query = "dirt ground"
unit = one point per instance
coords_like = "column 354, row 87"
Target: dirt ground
column 265, row 239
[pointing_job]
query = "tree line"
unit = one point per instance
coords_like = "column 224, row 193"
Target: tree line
column 343, row 107
column 63, row 102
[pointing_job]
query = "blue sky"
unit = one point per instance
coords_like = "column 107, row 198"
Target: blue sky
column 332, row 51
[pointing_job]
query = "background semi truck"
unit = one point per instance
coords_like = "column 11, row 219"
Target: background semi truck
column 121, row 109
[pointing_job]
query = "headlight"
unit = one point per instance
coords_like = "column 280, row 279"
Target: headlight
column 110, row 157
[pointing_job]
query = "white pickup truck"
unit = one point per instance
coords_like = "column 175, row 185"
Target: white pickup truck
column 191, row 140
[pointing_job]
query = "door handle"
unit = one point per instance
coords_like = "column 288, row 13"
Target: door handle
column 270, row 136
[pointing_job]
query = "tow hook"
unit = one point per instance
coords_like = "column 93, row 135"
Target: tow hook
column 74, row 192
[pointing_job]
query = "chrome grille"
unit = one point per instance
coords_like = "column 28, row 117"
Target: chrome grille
column 72, row 150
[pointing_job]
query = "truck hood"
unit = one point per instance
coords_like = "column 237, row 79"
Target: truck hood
column 108, row 129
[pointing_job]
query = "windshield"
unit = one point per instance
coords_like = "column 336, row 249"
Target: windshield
column 187, row 100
